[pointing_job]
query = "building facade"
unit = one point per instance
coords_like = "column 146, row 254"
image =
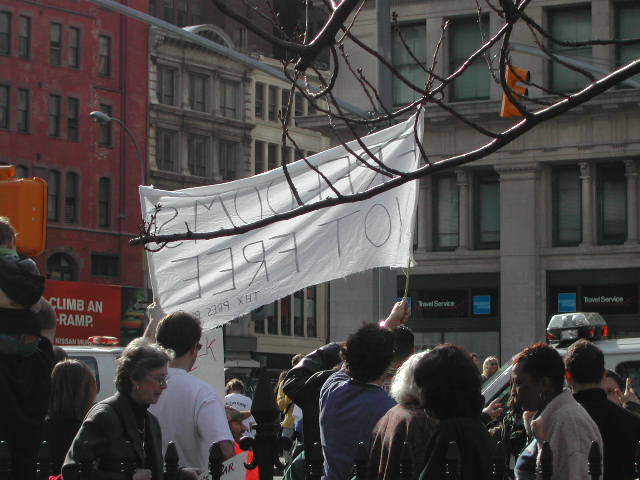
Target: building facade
column 214, row 120
column 550, row 222
column 59, row 61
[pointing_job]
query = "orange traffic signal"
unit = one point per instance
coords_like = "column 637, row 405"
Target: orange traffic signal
column 514, row 75
column 24, row 201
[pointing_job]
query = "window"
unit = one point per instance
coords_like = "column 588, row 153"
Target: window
column 284, row 101
column 73, row 119
column 487, row 211
column 104, row 265
column 104, row 202
column 153, row 8
column 55, row 44
column 570, row 25
column 181, row 14
column 198, row 155
column 74, row 47
column 167, row 10
column 71, row 198
column 105, row 128
column 287, row 153
column 196, row 12
column 23, row 110
column 104, row 55
column 53, row 190
column 627, row 19
column 228, row 159
column 445, row 213
column 166, row 85
column 229, row 99
column 466, row 36
column 567, row 206
column 24, row 37
column 273, row 103
column 197, row 92
column 259, row 156
column 259, row 106
column 611, row 197
column 62, row 267
column 310, row 312
column 298, row 315
column 5, row 33
column 415, row 36
column 299, row 105
column 266, row 313
column 4, row 106
column 54, row 115
column 272, row 156
column 285, row 316
column 167, row 151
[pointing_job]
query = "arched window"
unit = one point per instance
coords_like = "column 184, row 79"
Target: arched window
column 62, row 267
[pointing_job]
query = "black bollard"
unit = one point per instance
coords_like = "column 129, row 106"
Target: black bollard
column 360, row 462
column 545, row 462
column 85, row 461
column 268, row 443
column 43, row 462
column 171, row 462
column 406, row 462
column 5, row 461
column 315, row 462
column 498, row 463
column 452, row 462
column 215, row 461
column 595, row 461
column 128, row 460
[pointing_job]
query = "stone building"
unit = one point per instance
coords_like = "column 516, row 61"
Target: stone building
column 550, row 222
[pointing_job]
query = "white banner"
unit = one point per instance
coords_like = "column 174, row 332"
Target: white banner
column 221, row 279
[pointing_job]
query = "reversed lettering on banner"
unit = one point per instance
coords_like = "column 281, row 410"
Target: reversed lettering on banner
column 221, row 279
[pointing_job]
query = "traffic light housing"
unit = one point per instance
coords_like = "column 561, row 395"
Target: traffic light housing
column 24, row 201
column 514, row 75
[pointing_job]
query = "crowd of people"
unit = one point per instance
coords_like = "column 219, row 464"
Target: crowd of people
column 372, row 388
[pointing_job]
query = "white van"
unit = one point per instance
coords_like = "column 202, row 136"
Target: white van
column 620, row 355
column 102, row 362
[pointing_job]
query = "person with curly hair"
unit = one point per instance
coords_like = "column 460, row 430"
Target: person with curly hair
column 450, row 385
column 551, row 414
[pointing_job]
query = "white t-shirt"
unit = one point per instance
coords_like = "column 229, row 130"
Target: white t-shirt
column 192, row 416
column 241, row 402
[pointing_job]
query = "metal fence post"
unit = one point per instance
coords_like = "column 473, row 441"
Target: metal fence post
column 360, row 461
column 43, row 462
column 267, row 444
column 452, row 462
column 5, row 461
column 498, row 464
column 545, row 465
column 315, row 462
column 595, row 461
column 215, row 461
column 171, row 462
column 406, row 462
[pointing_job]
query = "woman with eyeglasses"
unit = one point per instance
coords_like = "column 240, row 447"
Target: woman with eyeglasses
column 141, row 377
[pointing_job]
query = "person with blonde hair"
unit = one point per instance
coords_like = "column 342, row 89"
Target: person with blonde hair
column 407, row 421
column 73, row 392
column 489, row 367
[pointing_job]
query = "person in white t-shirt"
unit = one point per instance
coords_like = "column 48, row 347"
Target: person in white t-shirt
column 237, row 399
column 190, row 412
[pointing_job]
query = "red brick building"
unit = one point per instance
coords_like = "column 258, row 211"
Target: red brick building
column 60, row 60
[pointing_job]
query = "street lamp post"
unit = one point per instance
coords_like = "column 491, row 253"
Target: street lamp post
column 104, row 119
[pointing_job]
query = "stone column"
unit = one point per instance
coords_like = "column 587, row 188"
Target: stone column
column 522, row 308
column 587, row 203
column 462, row 181
column 631, row 172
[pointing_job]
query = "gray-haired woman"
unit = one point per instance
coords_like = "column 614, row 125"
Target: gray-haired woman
column 407, row 421
column 141, row 377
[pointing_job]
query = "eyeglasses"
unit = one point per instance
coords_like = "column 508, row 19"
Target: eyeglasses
column 160, row 380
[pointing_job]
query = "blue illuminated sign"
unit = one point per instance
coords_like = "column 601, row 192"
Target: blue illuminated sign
column 482, row 304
